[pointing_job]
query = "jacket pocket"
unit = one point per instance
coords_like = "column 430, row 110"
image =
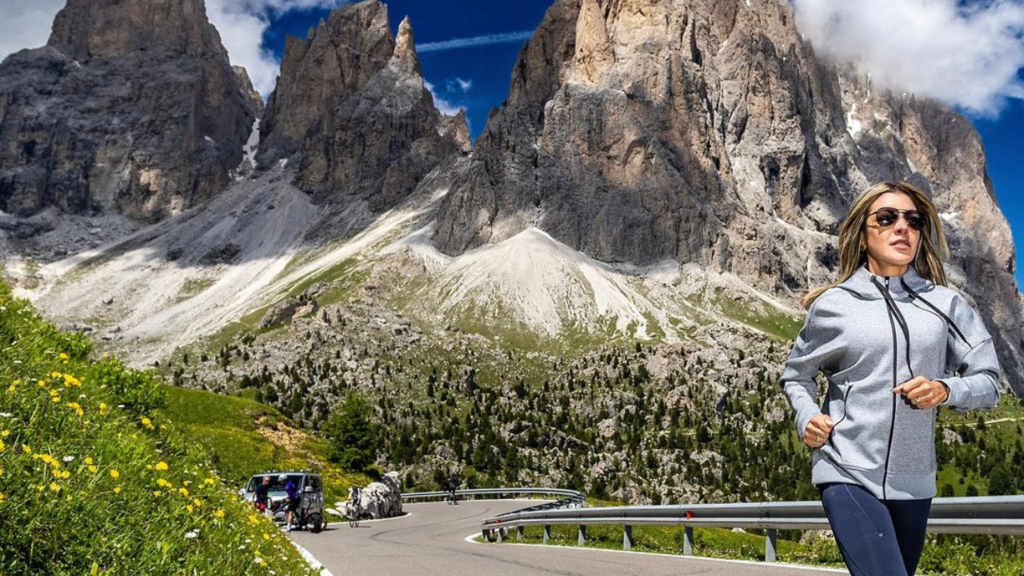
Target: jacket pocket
column 913, row 442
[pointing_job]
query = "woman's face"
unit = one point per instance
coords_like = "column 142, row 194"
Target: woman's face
column 890, row 248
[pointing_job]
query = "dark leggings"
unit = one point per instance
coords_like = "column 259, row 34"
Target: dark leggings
column 876, row 537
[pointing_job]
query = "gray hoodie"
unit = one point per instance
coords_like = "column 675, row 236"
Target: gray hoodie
column 867, row 336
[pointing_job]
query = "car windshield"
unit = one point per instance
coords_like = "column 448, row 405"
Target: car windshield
column 275, row 484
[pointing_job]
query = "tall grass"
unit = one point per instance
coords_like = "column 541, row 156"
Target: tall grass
column 92, row 482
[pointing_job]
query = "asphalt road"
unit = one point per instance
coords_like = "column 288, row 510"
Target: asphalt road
column 431, row 541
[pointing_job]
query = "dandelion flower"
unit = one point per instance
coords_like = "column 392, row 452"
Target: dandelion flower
column 197, row 502
column 63, row 356
column 2, row 446
column 103, row 409
column 163, row 483
column 88, row 460
column 147, row 422
column 93, row 468
column 209, row 481
column 189, row 508
column 117, row 489
column 183, row 491
column 157, row 493
column 2, row 497
column 26, row 449
column 161, row 465
column 219, row 513
column 114, row 474
column 54, row 487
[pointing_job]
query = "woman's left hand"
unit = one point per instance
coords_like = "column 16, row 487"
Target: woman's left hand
column 922, row 392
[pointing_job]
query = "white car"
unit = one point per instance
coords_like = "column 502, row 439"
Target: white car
column 311, row 509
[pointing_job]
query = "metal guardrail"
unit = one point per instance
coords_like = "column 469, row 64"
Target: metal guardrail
column 1002, row 515
column 572, row 495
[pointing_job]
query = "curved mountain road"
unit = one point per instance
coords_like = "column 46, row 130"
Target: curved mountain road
column 431, row 541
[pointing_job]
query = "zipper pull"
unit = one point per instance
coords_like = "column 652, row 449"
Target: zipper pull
column 886, row 283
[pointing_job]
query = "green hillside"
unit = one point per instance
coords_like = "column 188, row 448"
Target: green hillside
column 95, row 480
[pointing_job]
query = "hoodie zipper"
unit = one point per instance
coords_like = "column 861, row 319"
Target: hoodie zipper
column 895, row 362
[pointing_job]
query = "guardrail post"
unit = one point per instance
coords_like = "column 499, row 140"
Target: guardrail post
column 770, row 542
column 501, row 532
column 627, row 537
column 547, row 532
column 688, row 541
column 582, row 535
column 487, row 535
column 519, row 532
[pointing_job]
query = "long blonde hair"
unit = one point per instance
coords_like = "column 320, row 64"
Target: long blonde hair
column 931, row 250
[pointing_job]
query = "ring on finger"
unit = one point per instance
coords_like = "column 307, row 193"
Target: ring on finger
column 916, row 401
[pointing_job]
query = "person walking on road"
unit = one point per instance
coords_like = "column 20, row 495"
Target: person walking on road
column 261, row 495
column 894, row 344
column 292, row 500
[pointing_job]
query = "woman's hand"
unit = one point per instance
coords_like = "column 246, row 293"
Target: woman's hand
column 922, row 392
column 818, row 430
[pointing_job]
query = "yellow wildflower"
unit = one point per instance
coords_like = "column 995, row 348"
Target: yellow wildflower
column 93, row 468
column 12, row 388
column 63, row 356
column 2, row 446
column 189, row 508
column 103, row 409
column 266, row 536
column 2, row 497
column 41, row 383
column 55, row 375
column 88, row 460
column 77, row 408
column 157, row 493
column 117, row 489
column 5, row 434
column 209, row 481
column 25, row 448
column 163, row 483
column 54, row 487
column 47, row 459
column 218, row 513
column 183, row 491
column 147, row 422
column 197, row 502
column 70, row 380
column 114, row 474
column 65, row 474
column 56, row 399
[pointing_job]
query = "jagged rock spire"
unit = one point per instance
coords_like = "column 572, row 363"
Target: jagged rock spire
column 405, row 57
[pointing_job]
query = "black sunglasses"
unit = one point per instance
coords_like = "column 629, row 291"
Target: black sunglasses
column 889, row 216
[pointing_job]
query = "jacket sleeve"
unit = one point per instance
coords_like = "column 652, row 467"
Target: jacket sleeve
column 976, row 384
column 815, row 349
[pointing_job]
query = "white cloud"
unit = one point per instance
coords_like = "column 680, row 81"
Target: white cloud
column 443, row 106
column 26, row 24
column 241, row 24
column 505, row 38
column 967, row 56
column 458, row 85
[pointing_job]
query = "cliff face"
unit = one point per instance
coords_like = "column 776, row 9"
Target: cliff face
column 707, row 131
column 132, row 107
column 351, row 100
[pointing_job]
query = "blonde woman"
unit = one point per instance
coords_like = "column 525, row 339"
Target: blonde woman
column 894, row 344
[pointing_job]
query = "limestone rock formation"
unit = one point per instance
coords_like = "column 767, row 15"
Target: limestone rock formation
column 707, row 131
column 382, row 499
column 351, row 100
column 131, row 108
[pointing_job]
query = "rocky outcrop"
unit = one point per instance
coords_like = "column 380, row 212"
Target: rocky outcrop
column 351, row 100
column 132, row 108
column 383, row 499
column 709, row 132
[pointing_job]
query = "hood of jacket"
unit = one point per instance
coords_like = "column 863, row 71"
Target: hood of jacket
column 863, row 284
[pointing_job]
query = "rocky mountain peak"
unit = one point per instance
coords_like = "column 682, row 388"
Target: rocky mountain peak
column 87, row 29
column 132, row 108
column 352, row 107
column 405, row 58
